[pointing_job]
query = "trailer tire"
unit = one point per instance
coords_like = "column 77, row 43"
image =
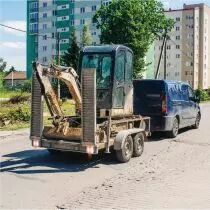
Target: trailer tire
column 138, row 144
column 125, row 153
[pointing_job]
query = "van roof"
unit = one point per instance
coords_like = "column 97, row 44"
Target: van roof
column 166, row 81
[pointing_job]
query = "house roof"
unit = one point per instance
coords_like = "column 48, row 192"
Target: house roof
column 18, row 75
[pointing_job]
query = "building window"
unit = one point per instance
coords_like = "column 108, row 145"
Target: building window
column 45, row 37
column 178, row 19
column 53, row 46
column 33, row 27
column 177, row 28
column 72, row 23
column 54, row 12
column 44, row 4
column 44, row 59
column 177, row 37
column 44, row 48
column 168, row 47
column 33, row 5
column 53, row 24
column 94, row 8
column 177, row 55
column 93, row 33
column 82, row 10
column 82, row 21
column 44, row 15
column 177, row 46
column 71, row 11
column 53, row 35
column 44, row 26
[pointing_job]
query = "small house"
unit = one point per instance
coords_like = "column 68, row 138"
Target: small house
column 15, row 78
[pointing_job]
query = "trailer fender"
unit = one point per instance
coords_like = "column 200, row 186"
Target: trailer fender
column 121, row 136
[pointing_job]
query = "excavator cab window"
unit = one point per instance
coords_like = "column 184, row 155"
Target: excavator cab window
column 102, row 63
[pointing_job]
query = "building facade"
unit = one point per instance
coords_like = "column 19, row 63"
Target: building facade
column 45, row 18
column 188, row 47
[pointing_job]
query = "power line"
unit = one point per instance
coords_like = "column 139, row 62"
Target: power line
column 23, row 31
column 17, row 29
column 31, row 34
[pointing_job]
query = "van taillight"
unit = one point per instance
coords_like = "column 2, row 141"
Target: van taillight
column 164, row 104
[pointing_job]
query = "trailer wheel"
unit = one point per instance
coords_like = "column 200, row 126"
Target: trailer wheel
column 138, row 144
column 125, row 153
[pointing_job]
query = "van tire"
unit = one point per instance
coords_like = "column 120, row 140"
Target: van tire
column 175, row 129
column 126, row 152
column 197, row 121
column 138, row 144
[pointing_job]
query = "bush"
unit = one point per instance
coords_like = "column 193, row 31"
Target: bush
column 202, row 94
column 14, row 114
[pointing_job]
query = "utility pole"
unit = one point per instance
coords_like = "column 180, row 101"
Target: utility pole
column 12, row 79
column 58, row 54
column 161, row 53
column 165, row 58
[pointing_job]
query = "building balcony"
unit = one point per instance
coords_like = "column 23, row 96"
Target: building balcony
column 36, row 9
column 33, row 20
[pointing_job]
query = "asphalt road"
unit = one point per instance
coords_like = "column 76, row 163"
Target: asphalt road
column 171, row 173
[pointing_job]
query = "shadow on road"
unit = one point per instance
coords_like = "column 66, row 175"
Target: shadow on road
column 40, row 161
column 159, row 136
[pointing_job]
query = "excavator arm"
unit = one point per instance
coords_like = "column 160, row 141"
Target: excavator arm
column 67, row 75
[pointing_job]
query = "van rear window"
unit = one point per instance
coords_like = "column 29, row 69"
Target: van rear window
column 147, row 97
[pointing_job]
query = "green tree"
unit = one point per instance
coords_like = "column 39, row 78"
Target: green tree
column 12, row 69
column 3, row 65
column 134, row 23
column 86, row 36
column 71, row 56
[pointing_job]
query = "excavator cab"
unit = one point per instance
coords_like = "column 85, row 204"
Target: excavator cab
column 114, row 68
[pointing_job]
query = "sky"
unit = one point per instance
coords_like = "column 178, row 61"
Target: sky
column 13, row 43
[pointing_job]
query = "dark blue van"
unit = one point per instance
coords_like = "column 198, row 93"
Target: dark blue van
column 171, row 105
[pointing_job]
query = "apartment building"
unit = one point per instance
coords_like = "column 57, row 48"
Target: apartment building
column 47, row 17
column 188, row 47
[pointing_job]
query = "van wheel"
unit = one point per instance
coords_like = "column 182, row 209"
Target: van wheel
column 175, row 129
column 197, row 121
column 125, row 153
column 138, row 144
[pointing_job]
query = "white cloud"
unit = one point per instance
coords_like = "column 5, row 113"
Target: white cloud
column 16, row 45
column 15, row 24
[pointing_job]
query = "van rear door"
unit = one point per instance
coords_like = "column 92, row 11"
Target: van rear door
column 148, row 95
